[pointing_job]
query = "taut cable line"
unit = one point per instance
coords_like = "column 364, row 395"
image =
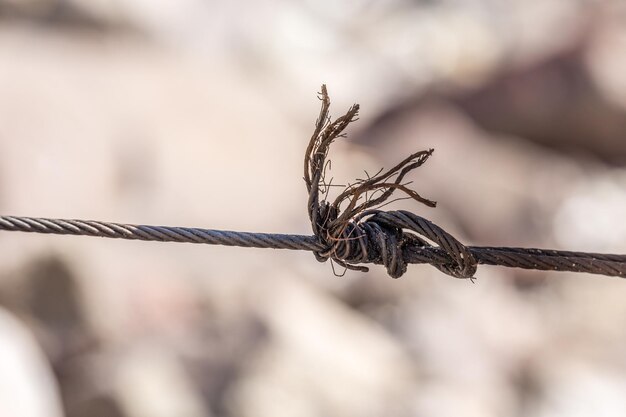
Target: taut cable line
column 352, row 230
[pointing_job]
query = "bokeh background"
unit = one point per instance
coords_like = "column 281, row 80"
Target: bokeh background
column 197, row 113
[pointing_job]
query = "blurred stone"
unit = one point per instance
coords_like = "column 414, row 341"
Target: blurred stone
column 98, row 407
column 49, row 294
column 91, row 15
column 53, row 296
column 591, row 215
column 322, row 359
column 151, row 382
column 27, row 387
column 87, row 385
column 555, row 103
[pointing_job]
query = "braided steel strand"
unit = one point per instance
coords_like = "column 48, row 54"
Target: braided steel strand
column 159, row 233
column 526, row 258
column 551, row 260
column 352, row 229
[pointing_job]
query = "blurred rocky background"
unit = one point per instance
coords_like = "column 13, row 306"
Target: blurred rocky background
column 196, row 112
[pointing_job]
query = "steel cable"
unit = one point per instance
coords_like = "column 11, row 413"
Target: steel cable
column 351, row 230
column 415, row 253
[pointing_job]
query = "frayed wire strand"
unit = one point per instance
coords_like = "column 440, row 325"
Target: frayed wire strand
column 352, row 230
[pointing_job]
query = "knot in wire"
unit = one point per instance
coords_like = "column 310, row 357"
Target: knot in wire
column 352, row 230
column 355, row 242
column 454, row 258
column 380, row 237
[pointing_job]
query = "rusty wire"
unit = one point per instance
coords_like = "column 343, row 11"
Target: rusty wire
column 352, row 230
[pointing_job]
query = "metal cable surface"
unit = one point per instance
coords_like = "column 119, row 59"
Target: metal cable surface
column 351, row 230
column 158, row 233
column 416, row 253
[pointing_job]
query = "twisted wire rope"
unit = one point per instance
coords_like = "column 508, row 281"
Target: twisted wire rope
column 351, row 230
column 417, row 253
column 158, row 233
